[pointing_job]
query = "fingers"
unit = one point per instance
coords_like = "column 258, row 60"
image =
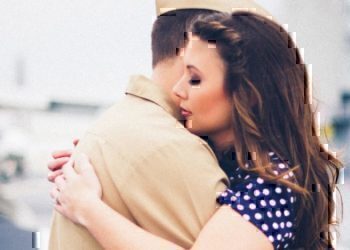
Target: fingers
column 57, row 163
column 75, row 141
column 54, row 193
column 60, row 182
column 68, row 170
column 53, row 175
column 61, row 153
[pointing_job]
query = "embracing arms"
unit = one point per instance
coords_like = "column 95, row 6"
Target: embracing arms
column 79, row 200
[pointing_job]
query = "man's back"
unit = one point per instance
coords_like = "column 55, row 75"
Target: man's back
column 152, row 170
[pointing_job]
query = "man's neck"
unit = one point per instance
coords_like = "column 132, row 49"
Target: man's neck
column 163, row 73
column 166, row 74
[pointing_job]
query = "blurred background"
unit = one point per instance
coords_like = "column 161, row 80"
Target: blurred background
column 63, row 62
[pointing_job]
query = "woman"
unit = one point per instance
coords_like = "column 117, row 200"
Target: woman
column 245, row 87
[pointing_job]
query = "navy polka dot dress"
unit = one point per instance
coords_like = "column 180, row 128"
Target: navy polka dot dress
column 269, row 206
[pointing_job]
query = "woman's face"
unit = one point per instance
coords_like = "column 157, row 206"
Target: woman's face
column 203, row 101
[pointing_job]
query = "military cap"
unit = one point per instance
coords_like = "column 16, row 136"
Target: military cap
column 230, row 6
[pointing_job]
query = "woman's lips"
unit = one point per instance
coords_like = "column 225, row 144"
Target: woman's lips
column 185, row 113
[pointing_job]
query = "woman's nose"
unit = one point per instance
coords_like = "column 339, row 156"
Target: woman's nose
column 179, row 90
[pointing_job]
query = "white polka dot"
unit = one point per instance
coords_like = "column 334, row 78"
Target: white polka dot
column 239, row 176
column 275, row 172
column 278, row 190
column 258, row 216
column 264, row 227
column 272, row 202
column 263, row 203
column 252, row 206
column 224, row 194
column 271, row 238
column 289, row 224
column 289, row 190
column 269, row 214
column 283, row 201
column 238, row 194
column 291, row 174
column 281, row 165
column 292, row 199
column 278, row 213
column 246, row 165
column 231, row 178
column 285, row 176
column 290, row 235
column 266, row 191
column 240, row 207
column 246, row 197
column 259, row 180
column 246, row 216
column 233, row 198
column 286, row 213
column 286, row 234
column 282, row 225
column 249, row 186
column 256, row 193
column 270, row 153
column 246, row 177
column 286, row 245
column 275, row 225
column 279, row 237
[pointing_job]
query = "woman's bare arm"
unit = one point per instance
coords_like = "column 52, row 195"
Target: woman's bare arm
column 225, row 230
column 79, row 200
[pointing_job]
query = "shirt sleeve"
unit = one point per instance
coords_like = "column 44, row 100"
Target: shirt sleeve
column 269, row 206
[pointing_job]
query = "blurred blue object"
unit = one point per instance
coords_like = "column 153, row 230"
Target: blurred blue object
column 12, row 237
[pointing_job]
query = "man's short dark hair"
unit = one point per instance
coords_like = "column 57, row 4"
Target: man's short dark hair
column 168, row 34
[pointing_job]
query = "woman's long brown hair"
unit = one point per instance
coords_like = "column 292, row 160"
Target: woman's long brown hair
column 269, row 86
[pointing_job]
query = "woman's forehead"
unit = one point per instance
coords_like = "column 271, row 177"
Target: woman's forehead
column 200, row 52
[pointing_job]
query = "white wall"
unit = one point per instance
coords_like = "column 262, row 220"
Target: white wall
column 87, row 49
column 74, row 47
column 320, row 28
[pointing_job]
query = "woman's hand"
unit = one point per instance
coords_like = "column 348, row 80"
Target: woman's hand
column 76, row 193
column 60, row 157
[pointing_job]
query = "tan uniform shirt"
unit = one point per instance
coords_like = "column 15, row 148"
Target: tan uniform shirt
column 152, row 170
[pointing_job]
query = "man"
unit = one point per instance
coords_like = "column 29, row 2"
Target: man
column 152, row 170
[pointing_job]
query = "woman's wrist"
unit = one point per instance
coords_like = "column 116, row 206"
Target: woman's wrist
column 89, row 212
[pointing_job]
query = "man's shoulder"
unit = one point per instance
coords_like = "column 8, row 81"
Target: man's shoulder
column 130, row 111
column 136, row 125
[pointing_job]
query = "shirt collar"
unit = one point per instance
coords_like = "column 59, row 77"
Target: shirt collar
column 142, row 87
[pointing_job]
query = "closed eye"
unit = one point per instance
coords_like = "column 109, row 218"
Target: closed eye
column 194, row 81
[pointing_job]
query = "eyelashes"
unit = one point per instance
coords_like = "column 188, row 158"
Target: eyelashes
column 194, row 81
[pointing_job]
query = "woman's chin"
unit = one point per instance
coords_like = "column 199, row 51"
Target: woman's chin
column 194, row 131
